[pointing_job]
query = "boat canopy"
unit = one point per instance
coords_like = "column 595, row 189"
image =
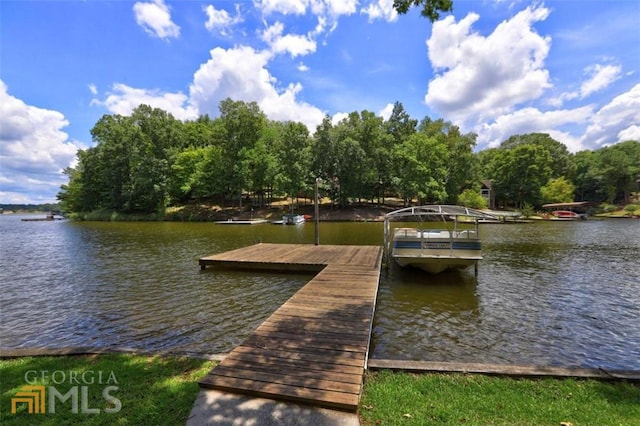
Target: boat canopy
column 439, row 210
column 442, row 210
column 576, row 204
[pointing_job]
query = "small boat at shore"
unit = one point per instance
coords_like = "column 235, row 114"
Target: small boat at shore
column 293, row 219
column 454, row 245
column 566, row 211
column 565, row 215
column 290, row 219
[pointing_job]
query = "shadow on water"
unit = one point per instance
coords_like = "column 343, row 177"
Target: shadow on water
column 429, row 309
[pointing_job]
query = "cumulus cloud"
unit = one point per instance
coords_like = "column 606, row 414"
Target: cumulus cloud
column 155, row 19
column 33, row 150
column 480, row 77
column 530, row 120
column 295, row 45
column 386, row 111
column 620, row 117
column 123, row 99
column 327, row 12
column 600, row 77
column 338, row 117
column 285, row 7
column 380, row 9
column 240, row 73
column 220, row 20
column 590, row 128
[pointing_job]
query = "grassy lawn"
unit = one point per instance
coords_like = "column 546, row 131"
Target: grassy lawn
column 151, row 390
column 455, row 399
column 161, row 391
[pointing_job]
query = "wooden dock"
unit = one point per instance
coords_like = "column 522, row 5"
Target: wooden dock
column 314, row 348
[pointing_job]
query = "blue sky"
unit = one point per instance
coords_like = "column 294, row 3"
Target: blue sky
column 493, row 67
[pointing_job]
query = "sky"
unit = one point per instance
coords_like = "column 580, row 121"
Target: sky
column 493, row 67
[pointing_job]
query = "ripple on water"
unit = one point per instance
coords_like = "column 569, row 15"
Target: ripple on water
column 549, row 294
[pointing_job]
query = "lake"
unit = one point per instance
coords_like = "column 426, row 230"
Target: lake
column 552, row 293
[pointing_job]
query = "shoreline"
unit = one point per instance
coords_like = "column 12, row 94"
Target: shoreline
column 374, row 364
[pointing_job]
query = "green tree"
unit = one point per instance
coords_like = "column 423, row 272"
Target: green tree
column 186, row 175
column 519, row 173
column 420, row 169
column 243, row 124
column 263, row 161
column 431, row 9
column 562, row 163
column 620, row 168
column 558, row 190
column 473, row 199
column 294, row 159
column 588, row 177
column 461, row 163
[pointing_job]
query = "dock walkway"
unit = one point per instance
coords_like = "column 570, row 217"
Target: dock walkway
column 314, row 348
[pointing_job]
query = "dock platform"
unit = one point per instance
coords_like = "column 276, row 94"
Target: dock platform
column 314, row 348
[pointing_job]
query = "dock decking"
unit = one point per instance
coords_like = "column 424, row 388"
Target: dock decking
column 314, row 348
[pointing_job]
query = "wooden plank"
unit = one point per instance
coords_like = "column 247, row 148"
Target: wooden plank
column 336, row 400
column 314, row 348
column 237, row 358
column 337, row 359
column 292, row 378
column 303, row 371
column 507, row 370
column 295, row 344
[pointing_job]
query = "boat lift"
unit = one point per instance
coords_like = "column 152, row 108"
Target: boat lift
column 444, row 211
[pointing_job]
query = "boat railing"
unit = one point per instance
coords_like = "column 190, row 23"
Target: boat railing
column 436, row 233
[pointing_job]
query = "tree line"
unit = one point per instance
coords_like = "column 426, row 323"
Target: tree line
column 149, row 160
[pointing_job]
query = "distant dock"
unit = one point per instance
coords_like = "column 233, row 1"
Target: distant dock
column 241, row 222
column 50, row 216
column 315, row 347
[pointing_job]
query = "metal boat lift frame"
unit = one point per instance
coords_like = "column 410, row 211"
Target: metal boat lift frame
column 443, row 210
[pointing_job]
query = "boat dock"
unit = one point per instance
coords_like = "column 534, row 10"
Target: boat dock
column 314, row 348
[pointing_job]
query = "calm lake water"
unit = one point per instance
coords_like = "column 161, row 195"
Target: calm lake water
column 562, row 294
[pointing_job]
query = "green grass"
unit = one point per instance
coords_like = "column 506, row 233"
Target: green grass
column 455, row 399
column 151, row 390
column 162, row 390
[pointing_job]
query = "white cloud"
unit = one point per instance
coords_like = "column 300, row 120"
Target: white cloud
column 295, row 45
column 33, row 150
column 337, row 8
column 93, row 89
column 155, row 19
column 592, row 129
column 380, row 9
column 220, row 20
column 631, row 133
column 285, row 7
column 240, row 73
column 530, row 120
column 338, row 117
column 124, row 99
column 386, row 111
column 327, row 12
column 477, row 77
column 601, row 76
column 620, row 117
